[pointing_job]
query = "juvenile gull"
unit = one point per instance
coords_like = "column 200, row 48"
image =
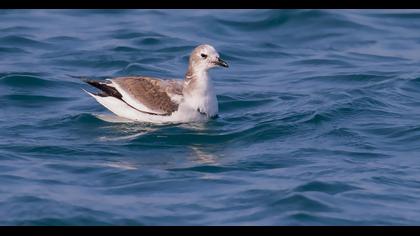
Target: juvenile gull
column 155, row 100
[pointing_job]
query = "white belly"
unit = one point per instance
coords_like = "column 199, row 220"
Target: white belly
column 184, row 114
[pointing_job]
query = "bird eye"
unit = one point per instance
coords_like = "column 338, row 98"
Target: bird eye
column 203, row 55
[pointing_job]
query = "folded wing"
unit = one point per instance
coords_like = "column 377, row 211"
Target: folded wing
column 146, row 94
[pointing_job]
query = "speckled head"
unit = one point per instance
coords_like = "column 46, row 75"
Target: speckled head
column 205, row 57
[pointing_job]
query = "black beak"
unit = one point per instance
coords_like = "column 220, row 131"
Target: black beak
column 220, row 62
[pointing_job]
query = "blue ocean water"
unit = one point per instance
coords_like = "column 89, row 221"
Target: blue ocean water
column 319, row 119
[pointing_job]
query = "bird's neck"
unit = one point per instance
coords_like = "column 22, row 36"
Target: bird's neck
column 198, row 92
column 195, row 72
column 197, row 82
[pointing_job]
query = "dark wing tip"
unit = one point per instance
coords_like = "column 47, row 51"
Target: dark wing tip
column 107, row 90
column 92, row 82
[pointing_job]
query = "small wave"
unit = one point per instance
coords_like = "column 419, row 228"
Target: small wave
column 268, row 20
column 125, row 137
column 289, row 20
column 99, row 62
column 206, row 169
column 249, row 133
column 149, row 41
column 344, row 153
column 34, row 101
column 325, row 187
column 322, row 62
column 16, row 29
column 309, row 218
column 347, row 79
column 229, row 103
column 369, row 57
column 64, row 40
column 24, row 42
column 12, row 50
column 127, row 49
column 85, row 118
column 396, row 15
column 17, row 80
column 136, row 68
column 120, row 165
column 128, row 34
column 298, row 201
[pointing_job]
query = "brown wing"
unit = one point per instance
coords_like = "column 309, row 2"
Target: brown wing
column 147, row 92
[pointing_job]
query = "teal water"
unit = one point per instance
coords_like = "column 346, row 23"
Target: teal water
column 319, row 119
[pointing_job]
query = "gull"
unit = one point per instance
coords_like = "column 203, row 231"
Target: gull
column 156, row 100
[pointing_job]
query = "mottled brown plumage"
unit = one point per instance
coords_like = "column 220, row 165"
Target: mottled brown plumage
column 151, row 92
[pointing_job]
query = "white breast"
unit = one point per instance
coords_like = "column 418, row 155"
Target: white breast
column 203, row 97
